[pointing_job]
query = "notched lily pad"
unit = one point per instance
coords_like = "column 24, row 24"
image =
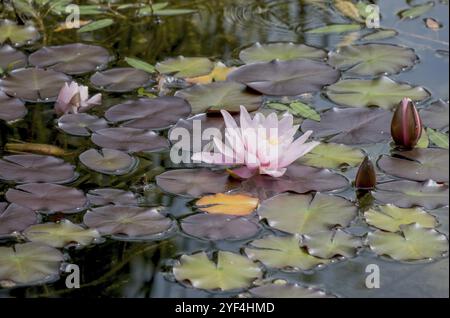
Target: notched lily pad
column 36, row 168
column 185, row 66
column 11, row 58
column 288, row 78
column 111, row 196
column 284, row 289
column 436, row 115
column 391, row 218
column 329, row 244
column 72, row 59
column 128, row 222
column 120, row 79
column 307, row 213
column 230, row 271
column 413, row 243
column 284, row 253
column 108, row 161
column 47, row 197
column 15, row 218
column 330, row 155
column 11, row 108
column 18, row 35
column 81, row 124
column 34, row 84
column 145, row 113
column 373, row 59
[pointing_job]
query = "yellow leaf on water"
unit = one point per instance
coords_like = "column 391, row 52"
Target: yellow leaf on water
column 67, row 26
column 219, row 73
column 231, row 204
column 348, row 9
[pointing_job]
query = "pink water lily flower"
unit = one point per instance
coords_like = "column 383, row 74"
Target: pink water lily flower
column 74, row 98
column 262, row 145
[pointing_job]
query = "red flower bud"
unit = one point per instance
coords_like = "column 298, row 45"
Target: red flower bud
column 406, row 126
column 366, row 177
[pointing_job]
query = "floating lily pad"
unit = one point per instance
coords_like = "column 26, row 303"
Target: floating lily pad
column 417, row 164
column 111, row 196
column 36, row 168
column 219, row 227
column 231, row 271
column 47, row 197
column 280, row 51
column 416, row 11
column 17, row 35
column 332, row 156
column 145, row 113
column 29, row 264
column 34, row 84
column 406, row 194
column 283, row 289
column 73, row 59
column 413, row 243
column 185, row 66
column 335, row 28
column 373, row 59
column 352, row 126
column 128, row 222
column 391, row 218
column 194, row 182
column 120, row 80
column 129, row 139
column 230, row 204
column 286, row 77
column 307, row 213
column 11, row 108
column 298, row 178
column 60, row 234
column 380, row 34
column 283, row 253
column 382, row 92
column 81, row 124
column 329, row 244
column 436, row 115
column 439, row 139
column 15, row 218
column 220, row 95
column 11, row 59
column 108, row 161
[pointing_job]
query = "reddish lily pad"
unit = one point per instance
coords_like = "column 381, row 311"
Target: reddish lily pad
column 47, row 197
column 436, row 115
column 11, row 58
column 108, row 161
column 15, row 218
column 145, row 113
column 111, row 196
column 120, row 80
column 11, row 108
column 81, row 124
column 36, row 168
column 73, row 59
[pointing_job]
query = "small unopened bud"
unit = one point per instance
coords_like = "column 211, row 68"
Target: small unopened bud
column 366, row 177
column 406, row 126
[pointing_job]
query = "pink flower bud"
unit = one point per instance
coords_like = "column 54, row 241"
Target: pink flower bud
column 406, row 126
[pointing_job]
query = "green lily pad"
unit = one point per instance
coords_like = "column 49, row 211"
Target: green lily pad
column 60, row 234
column 29, row 264
column 280, row 51
column 413, row 243
column 391, row 218
column 416, row 11
column 283, row 253
column 373, row 59
column 220, row 95
column 232, row 271
column 296, row 108
column 108, row 161
column 17, row 35
column 380, row 34
column 335, row 28
column 185, row 66
column 382, row 92
column 284, row 289
column 330, row 155
column 306, row 213
column 329, row 244
column 438, row 138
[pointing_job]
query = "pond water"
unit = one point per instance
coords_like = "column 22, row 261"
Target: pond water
column 130, row 264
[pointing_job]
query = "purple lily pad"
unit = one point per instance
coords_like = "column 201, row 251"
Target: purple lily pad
column 352, row 126
column 145, row 113
column 406, row 194
column 219, row 227
column 11, row 58
column 36, row 168
column 108, row 161
column 417, row 164
column 298, row 178
column 120, row 80
column 436, row 115
column 47, row 198
column 129, row 139
column 128, row 221
column 81, row 124
column 11, row 108
column 72, row 59
column 194, row 182
column 34, row 84
column 15, row 218
column 107, row 196
column 286, row 78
